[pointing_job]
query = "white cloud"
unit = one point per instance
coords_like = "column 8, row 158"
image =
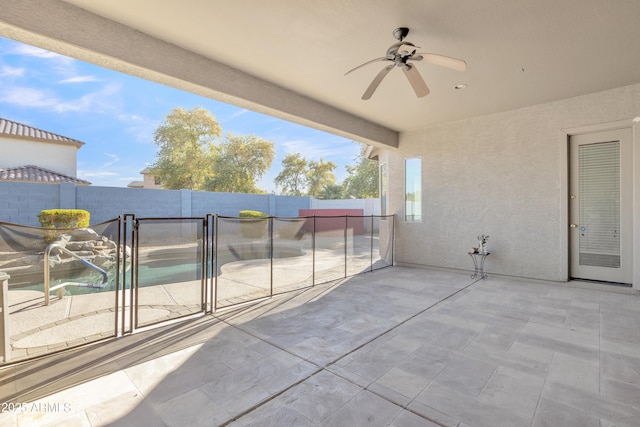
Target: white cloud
column 130, row 118
column 80, row 104
column 87, row 174
column 50, row 62
column 7, row 71
column 238, row 114
column 98, row 101
column 313, row 150
column 27, row 97
column 79, row 79
column 141, row 128
column 114, row 159
column 23, row 49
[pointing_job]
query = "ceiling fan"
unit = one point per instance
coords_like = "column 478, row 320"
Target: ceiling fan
column 403, row 54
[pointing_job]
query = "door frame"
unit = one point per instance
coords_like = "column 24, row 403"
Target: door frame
column 565, row 133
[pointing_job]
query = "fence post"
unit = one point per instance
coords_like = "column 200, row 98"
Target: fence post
column 121, row 261
column 215, row 265
column 135, row 242
column 5, row 345
column 270, row 228
column 371, row 245
column 67, row 195
column 128, row 223
column 185, row 203
column 346, row 224
column 393, row 236
column 313, row 250
column 204, row 259
column 210, row 219
column 273, row 208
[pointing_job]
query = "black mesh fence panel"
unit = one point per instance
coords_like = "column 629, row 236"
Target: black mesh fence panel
column 358, row 244
column 330, row 245
column 292, row 255
column 61, row 287
column 169, row 269
column 165, row 269
column 243, row 260
column 382, row 241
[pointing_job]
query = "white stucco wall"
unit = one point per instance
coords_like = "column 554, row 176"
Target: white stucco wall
column 503, row 175
column 16, row 152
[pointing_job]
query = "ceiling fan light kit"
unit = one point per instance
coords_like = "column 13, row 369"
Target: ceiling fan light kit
column 403, row 55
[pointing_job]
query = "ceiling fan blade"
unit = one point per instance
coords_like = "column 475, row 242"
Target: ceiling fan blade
column 383, row 58
column 445, row 61
column 416, row 80
column 376, row 81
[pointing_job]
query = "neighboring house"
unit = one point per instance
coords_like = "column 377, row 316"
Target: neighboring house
column 29, row 154
column 148, row 181
column 31, row 173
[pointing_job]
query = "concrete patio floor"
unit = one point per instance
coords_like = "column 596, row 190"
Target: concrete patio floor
column 396, row 347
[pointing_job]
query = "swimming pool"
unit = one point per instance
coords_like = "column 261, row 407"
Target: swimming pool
column 157, row 272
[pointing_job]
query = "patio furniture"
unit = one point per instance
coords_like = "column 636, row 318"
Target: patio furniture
column 478, row 264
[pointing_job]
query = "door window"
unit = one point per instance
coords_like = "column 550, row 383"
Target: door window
column 599, row 197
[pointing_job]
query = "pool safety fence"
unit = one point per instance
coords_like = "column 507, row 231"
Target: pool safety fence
column 132, row 273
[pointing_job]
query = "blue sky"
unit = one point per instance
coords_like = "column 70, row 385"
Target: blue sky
column 115, row 115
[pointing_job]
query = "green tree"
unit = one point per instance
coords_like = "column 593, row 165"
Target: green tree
column 332, row 192
column 319, row 175
column 292, row 177
column 362, row 179
column 239, row 162
column 186, row 148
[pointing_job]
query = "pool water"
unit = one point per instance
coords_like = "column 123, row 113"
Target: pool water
column 151, row 274
column 167, row 268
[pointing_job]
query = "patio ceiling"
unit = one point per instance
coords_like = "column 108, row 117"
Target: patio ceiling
column 519, row 53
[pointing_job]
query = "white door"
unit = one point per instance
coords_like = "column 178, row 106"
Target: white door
column 600, row 206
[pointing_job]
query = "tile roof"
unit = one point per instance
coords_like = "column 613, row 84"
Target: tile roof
column 32, row 173
column 9, row 127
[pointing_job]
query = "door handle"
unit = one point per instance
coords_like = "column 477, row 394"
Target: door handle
column 573, row 225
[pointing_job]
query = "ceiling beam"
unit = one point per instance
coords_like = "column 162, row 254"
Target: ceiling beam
column 71, row 31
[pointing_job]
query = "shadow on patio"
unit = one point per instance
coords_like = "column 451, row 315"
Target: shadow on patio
column 398, row 346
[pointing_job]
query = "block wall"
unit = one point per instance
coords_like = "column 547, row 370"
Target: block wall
column 20, row 203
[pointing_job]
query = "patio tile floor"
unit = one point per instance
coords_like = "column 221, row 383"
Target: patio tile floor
column 396, row 347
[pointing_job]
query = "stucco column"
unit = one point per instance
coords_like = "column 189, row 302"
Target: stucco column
column 185, row 211
column 185, row 203
column 272, row 205
column 67, row 195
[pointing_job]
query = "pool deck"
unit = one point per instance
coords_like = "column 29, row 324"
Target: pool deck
column 75, row 319
column 395, row 347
